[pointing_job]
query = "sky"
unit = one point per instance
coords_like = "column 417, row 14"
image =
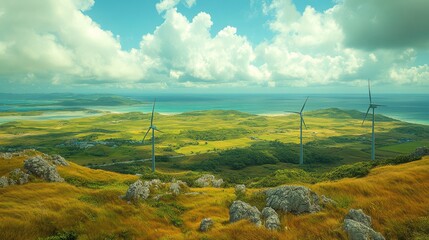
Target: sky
column 290, row 46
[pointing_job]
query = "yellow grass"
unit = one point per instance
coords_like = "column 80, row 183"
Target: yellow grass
column 394, row 196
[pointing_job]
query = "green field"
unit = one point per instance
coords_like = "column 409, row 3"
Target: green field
column 233, row 144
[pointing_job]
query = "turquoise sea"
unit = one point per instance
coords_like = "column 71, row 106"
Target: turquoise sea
column 406, row 107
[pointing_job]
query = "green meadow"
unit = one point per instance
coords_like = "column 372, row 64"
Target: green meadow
column 232, row 144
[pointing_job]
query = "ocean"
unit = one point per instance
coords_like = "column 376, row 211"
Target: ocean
column 406, row 107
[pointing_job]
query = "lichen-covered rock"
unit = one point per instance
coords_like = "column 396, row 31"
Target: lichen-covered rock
column 59, row 161
column 43, row 169
column 6, row 155
column 155, row 183
column 272, row 221
column 175, row 188
column 137, row 191
column 327, row 201
column 240, row 189
column 359, row 216
column 358, row 231
column 4, row 181
column 208, row 180
column 240, row 210
column 217, row 183
column 294, row 199
column 206, row 224
column 17, row 176
column 205, row 180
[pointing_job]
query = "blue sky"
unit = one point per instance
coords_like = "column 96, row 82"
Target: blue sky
column 301, row 46
column 142, row 17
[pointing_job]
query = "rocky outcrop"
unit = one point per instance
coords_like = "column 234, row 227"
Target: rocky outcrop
column 240, row 210
column 205, row 224
column 359, row 216
column 217, row 183
column 294, row 199
column 358, row 231
column 137, row 191
column 240, row 190
column 175, row 188
column 43, row 169
column 58, row 160
column 327, row 201
column 6, row 155
column 358, row 226
column 272, row 221
column 17, row 176
column 208, row 180
column 4, row 182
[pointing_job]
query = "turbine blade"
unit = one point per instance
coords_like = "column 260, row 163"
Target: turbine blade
column 158, row 130
column 146, row 134
column 367, row 111
column 303, row 106
column 292, row 112
column 153, row 109
column 369, row 90
column 305, row 125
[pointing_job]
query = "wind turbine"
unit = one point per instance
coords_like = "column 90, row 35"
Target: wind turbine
column 301, row 152
column 372, row 106
column 153, row 128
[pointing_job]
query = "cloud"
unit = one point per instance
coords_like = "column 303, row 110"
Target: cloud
column 165, row 5
column 186, row 52
column 412, row 75
column 54, row 38
column 380, row 24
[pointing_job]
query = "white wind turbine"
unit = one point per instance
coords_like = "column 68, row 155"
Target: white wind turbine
column 301, row 152
column 153, row 128
column 372, row 106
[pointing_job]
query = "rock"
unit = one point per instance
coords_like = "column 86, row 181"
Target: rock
column 327, row 201
column 17, row 176
column 217, row 183
column 240, row 189
column 206, row 224
column 359, row 216
column 240, row 210
column 59, row 161
column 205, row 180
column 156, row 183
column 358, row 231
column 208, row 180
column 4, row 182
column 43, row 169
column 175, row 188
column 182, row 184
column 294, row 199
column 272, row 221
column 137, row 191
column 6, row 155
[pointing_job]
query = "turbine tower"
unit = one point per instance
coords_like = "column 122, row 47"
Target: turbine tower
column 153, row 128
column 372, row 106
column 301, row 150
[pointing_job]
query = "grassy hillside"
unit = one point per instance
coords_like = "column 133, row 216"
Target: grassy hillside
column 88, row 206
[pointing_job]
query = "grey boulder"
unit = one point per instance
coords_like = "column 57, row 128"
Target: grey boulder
column 137, row 191
column 58, row 160
column 206, row 224
column 240, row 210
column 359, row 231
column 17, row 176
column 175, row 188
column 4, row 181
column 272, row 221
column 43, row 169
column 359, row 216
column 240, row 189
column 294, row 199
